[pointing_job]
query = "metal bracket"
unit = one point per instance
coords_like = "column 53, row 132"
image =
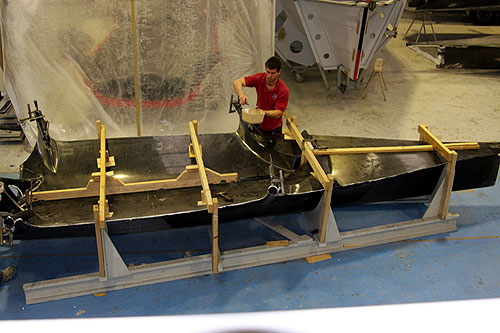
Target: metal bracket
column 314, row 217
column 114, row 266
column 433, row 209
column 391, row 33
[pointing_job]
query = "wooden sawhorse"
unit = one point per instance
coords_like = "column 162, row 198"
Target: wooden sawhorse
column 377, row 69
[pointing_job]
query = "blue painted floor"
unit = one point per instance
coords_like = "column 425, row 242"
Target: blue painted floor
column 455, row 266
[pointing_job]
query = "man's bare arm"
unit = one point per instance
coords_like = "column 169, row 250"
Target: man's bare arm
column 273, row 113
column 238, row 85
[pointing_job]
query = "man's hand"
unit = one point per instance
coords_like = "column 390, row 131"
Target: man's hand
column 243, row 99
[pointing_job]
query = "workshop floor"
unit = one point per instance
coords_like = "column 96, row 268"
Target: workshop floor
column 456, row 104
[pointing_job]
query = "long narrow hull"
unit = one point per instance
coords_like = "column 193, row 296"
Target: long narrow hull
column 360, row 179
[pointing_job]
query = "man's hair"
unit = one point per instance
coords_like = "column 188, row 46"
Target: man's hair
column 273, row 63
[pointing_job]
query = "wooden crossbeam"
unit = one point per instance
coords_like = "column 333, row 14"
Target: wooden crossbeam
column 308, row 153
column 110, row 161
column 427, row 136
column 394, row 149
column 451, row 158
column 188, row 178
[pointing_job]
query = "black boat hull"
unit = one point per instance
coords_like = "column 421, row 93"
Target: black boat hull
column 360, row 179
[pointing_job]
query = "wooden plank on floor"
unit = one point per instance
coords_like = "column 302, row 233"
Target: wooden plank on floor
column 283, row 242
column 318, row 258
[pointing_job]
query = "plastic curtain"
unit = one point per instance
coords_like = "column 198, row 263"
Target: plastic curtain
column 76, row 58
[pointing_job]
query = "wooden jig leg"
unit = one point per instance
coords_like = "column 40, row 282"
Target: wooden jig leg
column 448, row 185
column 363, row 95
column 98, row 237
column 325, row 210
column 383, row 80
column 411, row 24
column 381, row 85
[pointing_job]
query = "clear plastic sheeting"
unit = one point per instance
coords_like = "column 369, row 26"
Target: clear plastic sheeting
column 76, row 58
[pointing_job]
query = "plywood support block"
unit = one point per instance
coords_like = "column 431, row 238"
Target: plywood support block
column 284, row 242
column 321, row 257
column 191, row 151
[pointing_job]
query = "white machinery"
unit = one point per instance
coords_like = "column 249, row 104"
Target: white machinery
column 341, row 35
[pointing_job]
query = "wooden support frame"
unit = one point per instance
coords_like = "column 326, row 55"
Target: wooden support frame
column 307, row 151
column 298, row 246
column 448, row 186
column 325, row 210
column 451, row 159
column 102, row 179
column 320, row 174
column 427, row 136
column 309, row 155
column 101, row 211
column 206, row 195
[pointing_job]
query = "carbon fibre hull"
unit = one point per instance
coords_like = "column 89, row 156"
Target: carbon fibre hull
column 359, row 179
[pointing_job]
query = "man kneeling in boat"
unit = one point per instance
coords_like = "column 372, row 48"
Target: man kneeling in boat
column 272, row 95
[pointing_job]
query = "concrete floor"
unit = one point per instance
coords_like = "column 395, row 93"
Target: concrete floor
column 456, row 104
column 462, row 105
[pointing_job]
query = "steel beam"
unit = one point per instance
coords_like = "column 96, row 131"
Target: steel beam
column 145, row 274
